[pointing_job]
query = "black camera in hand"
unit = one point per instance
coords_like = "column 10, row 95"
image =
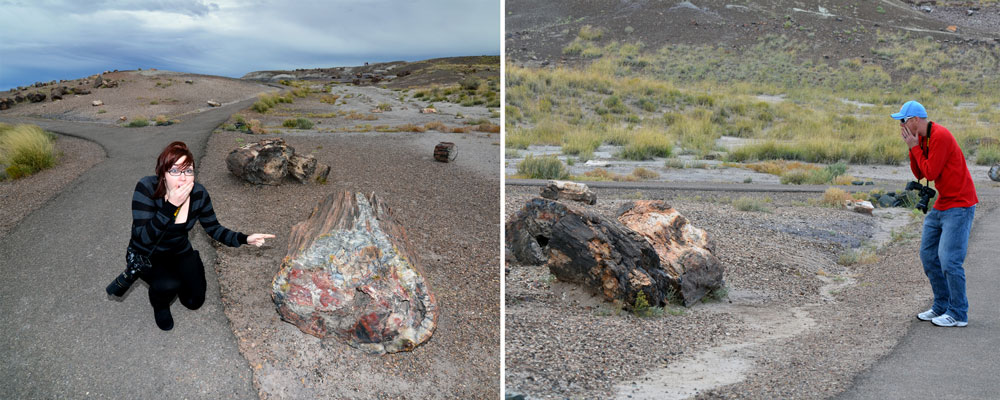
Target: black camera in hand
column 925, row 193
column 134, row 265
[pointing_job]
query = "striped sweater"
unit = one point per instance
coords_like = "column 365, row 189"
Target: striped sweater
column 154, row 217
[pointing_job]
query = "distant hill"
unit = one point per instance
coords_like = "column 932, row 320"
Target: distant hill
column 395, row 74
column 538, row 33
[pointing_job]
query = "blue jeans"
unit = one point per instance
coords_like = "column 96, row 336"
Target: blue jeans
column 942, row 250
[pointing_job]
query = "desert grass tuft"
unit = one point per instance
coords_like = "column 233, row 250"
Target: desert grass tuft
column 545, row 167
column 988, row 155
column 138, row 122
column 750, row 204
column 297, row 123
column 25, row 150
column 647, row 144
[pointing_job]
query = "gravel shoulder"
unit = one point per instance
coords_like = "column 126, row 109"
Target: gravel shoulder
column 795, row 324
column 450, row 214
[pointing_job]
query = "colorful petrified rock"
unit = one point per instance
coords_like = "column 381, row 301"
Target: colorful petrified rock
column 349, row 273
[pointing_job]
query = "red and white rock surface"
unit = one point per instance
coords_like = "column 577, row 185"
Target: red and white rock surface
column 349, row 273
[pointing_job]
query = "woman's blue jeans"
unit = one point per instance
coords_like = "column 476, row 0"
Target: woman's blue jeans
column 942, row 250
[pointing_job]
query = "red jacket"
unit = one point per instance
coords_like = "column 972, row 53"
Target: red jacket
column 938, row 158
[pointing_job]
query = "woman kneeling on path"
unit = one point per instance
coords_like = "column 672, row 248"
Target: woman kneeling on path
column 164, row 209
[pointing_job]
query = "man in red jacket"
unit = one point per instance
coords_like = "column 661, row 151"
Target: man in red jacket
column 935, row 156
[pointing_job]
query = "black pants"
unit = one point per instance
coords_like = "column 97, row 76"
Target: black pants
column 181, row 275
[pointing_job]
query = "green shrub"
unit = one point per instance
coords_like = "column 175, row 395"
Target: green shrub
column 260, row 106
column 546, row 167
column 750, row 204
column 25, row 149
column 138, row 122
column 643, row 309
column 297, row 123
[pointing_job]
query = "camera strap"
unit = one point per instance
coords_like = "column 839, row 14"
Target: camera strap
column 925, row 143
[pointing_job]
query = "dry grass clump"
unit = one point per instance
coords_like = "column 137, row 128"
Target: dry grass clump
column 601, row 174
column 329, row 99
column 780, row 167
column 459, row 129
column 359, row 116
column 645, row 174
column 488, row 127
column 411, row 128
column 435, row 126
column 256, row 127
column 25, row 150
column 835, row 197
column 638, row 174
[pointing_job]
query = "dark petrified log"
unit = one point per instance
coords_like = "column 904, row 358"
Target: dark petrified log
column 584, row 247
column 349, row 273
column 263, row 163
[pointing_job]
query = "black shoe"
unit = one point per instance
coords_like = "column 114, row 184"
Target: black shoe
column 163, row 319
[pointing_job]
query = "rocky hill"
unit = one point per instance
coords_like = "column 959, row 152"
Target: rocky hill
column 395, row 74
column 538, row 33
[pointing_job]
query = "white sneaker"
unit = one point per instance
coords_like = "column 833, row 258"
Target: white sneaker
column 928, row 315
column 947, row 320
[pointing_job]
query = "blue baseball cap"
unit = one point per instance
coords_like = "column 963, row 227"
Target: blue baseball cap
column 910, row 109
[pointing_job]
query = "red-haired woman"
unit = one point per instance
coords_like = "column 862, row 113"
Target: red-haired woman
column 164, row 208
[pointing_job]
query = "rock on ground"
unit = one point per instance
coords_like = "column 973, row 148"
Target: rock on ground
column 349, row 273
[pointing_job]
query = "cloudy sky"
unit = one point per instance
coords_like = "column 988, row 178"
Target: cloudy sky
column 43, row 40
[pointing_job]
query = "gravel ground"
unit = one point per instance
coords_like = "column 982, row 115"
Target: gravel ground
column 450, row 214
column 795, row 324
column 21, row 197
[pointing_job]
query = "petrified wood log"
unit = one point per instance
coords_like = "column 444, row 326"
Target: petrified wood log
column 566, row 190
column 262, row 163
column 349, row 273
column 584, row 247
column 306, row 169
column 686, row 253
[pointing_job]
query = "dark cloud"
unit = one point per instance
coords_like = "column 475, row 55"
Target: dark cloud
column 234, row 37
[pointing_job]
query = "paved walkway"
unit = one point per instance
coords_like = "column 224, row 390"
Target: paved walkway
column 61, row 335
column 949, row 363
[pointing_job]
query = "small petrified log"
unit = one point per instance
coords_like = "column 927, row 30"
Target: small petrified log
column 36, row 97
column 444, row 151
column 262, row 163
column 566, row 190
column 350, row 273
column 587, row 248
column 687, row 255
column 306, row 169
